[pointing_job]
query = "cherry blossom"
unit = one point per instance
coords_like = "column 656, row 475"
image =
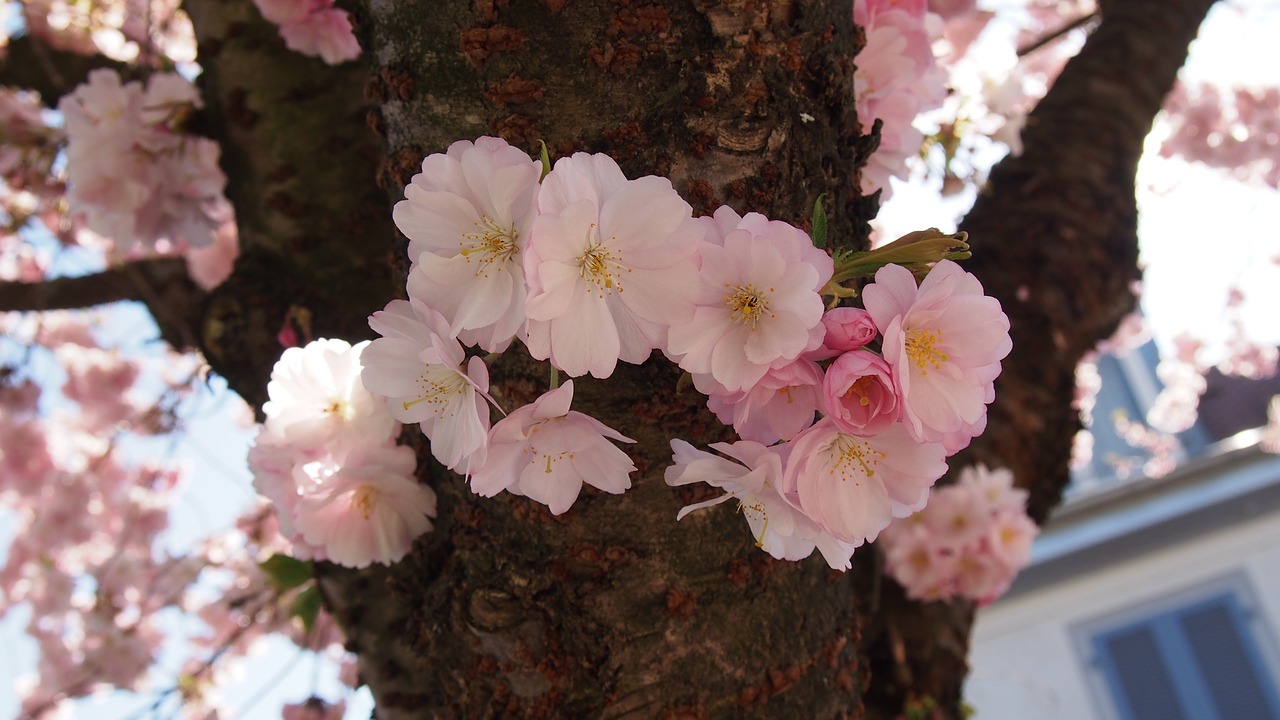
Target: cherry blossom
column 317, row 398
column 779, row 405
column 757, row 305
column 610, row 265
column 859, row 394
column 896, row 79
column 854, row 486
column 133, row 178
column 468, row 216
column 545, row 451
column 847, row 328
column 313, row 27
column 944, row 341
column 423, row 373
column 752, row 478
column 369, row 510
column 969, row 541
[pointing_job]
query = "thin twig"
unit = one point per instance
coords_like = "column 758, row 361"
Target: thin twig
column 1090, row 19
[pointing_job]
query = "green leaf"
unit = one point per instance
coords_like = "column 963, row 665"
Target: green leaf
column 819, row 223
column 286, row 572
column 546, row 160
column 306, row 606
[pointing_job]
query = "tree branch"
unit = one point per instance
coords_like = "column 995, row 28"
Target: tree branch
column 162, row 284
column 32, row 64
column 1040, row 42
column 1054, row 235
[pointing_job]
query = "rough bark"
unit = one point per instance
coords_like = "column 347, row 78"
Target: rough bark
column 300, row 160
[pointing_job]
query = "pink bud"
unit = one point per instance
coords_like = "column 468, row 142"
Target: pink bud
column 848, row 328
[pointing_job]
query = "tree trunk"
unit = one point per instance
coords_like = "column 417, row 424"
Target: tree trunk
column 1054, row 237
column 615, row 610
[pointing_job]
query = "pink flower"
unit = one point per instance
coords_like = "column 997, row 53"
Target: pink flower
column 858, row 394
column 313, row 27
column 758, row 303
column 970, row 540
column 418, row 366
column 326, row 34
column 611, row 266
column 208, row 266
column 317, row 399
column 913, row 557
column 282, row 12
column 779, row 405
column 854, row 486
column 956, row 515
column 944, row 341
column 846, row 328
column 369, row 510
column 468, row 216
column 545, row 452
column 752, row 478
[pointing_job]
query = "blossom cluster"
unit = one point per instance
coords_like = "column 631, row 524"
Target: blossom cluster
column 897, row 78
column 326, row 457
column 313, row 27
column 969, row 541
column 1236, row 130
column 136, row 177
column 587, row 268
column 84, row 552
column 146, row 32
column 889, row 417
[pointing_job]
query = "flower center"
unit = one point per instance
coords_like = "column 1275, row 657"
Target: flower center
column 860, row 389
column 440, row 387
column 601, row 266
column 490, row 244
column 854, row 455
column 549, row 458
column 364, row 499
column 338, row 409
column 747, row 304
column 921, row 348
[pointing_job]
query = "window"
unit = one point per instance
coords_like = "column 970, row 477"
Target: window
column 1201, row 659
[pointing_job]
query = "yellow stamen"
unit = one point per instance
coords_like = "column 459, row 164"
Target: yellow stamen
column 922, row 351
column 365, row 498
column 601, row 265
column 860, row 388
column 747, row 304
column 440, row 387
column 856, row 455
column 491, row 243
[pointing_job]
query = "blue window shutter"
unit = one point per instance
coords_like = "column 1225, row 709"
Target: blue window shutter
column 1196, row 662
column 1137, row 676
column 1228, row 662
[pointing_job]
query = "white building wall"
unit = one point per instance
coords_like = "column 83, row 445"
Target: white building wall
column 1025, row 664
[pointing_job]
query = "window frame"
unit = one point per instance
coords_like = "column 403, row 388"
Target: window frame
column 1160, row 615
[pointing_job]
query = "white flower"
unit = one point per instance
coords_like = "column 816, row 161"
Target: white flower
column 468, row 215
column 422, row 371
column 317, row 399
